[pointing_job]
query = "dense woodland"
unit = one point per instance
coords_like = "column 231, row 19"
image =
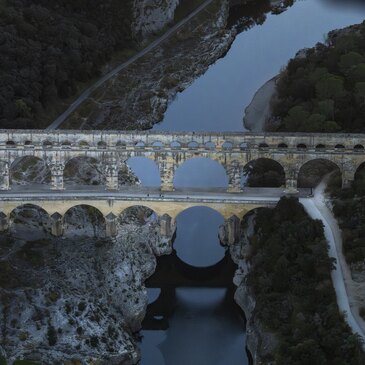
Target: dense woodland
column 290, row 277
column 349, row 208
column 324, row 90
column 48, row 47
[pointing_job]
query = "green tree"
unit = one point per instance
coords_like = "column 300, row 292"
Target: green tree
column 329, row 86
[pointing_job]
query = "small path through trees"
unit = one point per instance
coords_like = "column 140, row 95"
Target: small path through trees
column 86, row 93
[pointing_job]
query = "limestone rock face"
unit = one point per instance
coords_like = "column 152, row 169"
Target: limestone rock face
column 75, row 299
column 150, row 16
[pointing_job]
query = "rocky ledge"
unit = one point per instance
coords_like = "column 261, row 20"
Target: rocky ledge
column 260, row 341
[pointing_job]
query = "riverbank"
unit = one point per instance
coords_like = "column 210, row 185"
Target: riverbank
column 258, row 112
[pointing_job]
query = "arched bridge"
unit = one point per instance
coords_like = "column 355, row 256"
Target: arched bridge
column 169, row 150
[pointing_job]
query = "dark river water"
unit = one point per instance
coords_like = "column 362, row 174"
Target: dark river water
column 204, row 326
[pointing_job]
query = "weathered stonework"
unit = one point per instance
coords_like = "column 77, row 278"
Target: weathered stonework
column 169, row 150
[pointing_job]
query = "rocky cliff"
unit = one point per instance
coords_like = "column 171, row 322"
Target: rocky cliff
column 77, row 300
column 150, row 16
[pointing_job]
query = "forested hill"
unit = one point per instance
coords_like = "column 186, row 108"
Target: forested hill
column 47, row 47
column 323, row 89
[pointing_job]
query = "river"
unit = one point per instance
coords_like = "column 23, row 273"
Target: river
column 216, row 101
column 204, row 325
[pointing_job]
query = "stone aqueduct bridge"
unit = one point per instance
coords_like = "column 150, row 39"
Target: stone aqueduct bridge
column 169, row 150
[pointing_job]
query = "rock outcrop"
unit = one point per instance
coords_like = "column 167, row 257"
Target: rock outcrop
column 76, row 299
column 260, row 342
column 150, row 16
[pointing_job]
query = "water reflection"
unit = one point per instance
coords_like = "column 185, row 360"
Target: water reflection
column 197, row 241
column 206, row 328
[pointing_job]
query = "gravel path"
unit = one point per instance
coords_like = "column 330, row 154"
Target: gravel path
column 341, row 276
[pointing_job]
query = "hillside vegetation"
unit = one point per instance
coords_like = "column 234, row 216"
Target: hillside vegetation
column 290, row 277
column 323, row 89
column 49, row 47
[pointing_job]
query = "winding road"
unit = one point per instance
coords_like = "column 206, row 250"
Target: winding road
column 341, row 277
column 86, row 93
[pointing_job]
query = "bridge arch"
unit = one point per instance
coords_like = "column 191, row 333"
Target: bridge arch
column 264, row 172
column 145, row 169
column 311, row 172
column 197, row 242
column 139, row 213
column 83, row 170
column 29, row 220
column 84, row 220
column 201, row 172
column 359, row 178
column 29, row 169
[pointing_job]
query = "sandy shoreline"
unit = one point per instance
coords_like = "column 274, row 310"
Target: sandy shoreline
column 258, row 111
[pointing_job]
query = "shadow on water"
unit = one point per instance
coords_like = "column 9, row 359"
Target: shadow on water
column 194, row 319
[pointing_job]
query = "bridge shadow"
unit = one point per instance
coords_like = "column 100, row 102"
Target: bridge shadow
column 172, row 273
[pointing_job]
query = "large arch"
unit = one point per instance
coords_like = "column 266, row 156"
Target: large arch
column 263, row 172
column 311, row 173
column 84, row 220
column 359, row 180
column 139, row 214
column 83, row 170
column 29, row 170
column 145, row 169
column 197, row 242
column 201, row 172
column 29, row 221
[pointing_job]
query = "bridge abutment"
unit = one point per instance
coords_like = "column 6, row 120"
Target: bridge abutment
column 347, row 179
column 111, row 222
column 57, row 170
column 230, row 231
column 234, row 178
column 57, row 225
column 112, row 182
column 4, row 176
column 4, row 222
column 291, row 186
column 167, row 171
column 167, row 226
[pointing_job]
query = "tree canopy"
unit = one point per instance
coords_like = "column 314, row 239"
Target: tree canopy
column 48, row 47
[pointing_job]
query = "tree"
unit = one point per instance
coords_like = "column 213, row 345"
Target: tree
column 329, row 86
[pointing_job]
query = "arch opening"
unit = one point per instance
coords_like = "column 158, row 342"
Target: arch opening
column 193, row 145
column 83, row 171
column 359, row 180
column 29, row 222
column 313, row 171
column 201, row 172
column 210, row 145
column 359, row 148
column 175, row 145
column 197, row 242
column 83, row 144
column 227, row 145
column 66, row 145
column 84, row 220
column 139, row 215
column 157, row 145
column 10, row 144
column 264, row 173
column 29, row 170
column 145, row 171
